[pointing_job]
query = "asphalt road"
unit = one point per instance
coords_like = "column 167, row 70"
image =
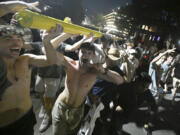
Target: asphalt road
column 168, row 122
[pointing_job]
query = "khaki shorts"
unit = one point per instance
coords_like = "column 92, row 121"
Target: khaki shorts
column 65, row 118
column 176, row 82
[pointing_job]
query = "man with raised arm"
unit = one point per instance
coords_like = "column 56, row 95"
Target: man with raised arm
column 155, row 71
column 16, row 113
column 80, row 77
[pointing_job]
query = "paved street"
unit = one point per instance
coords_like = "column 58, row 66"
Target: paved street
column 36, row 106
column 168, row 124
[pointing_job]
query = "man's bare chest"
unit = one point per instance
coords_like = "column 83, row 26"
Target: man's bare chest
column 18, row 71
column 82, row 81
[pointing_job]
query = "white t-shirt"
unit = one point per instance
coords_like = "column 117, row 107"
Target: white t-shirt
column 133, row 66
column 88, row 123
column 99, row 54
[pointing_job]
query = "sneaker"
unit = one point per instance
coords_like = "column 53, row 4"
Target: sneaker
column 42, row 112
column 46, row 122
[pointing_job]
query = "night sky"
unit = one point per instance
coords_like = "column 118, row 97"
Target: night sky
column 102, row 6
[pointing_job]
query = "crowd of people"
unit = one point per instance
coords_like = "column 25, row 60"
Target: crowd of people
column 87, row 85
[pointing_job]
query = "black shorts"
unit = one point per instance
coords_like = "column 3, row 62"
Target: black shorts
column 23, row 126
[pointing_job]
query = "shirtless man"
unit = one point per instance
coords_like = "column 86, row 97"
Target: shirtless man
column 16, row 114
column 80, row 77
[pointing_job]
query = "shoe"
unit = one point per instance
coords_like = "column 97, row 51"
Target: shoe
column 46, row 122
column 42, row 112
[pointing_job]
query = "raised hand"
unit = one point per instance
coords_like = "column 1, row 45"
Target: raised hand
column 14, row 21
column 89, row 36
column 33, row 6
column 16, row 6
column 100, row 68
column 54, row 32
column 171, row 50
column 118, row 108
column 124, row 55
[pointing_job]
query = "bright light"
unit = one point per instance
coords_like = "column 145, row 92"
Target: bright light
column 178, row 42
column 158, row 38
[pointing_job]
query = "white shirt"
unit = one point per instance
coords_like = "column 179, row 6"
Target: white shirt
column 88, row 123
column 99, row 54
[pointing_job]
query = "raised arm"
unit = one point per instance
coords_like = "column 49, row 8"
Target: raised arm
column 51, row 54
column 109, row 75
column 76, row 45
column 69, row 48
column 15, row 6
column 127, row 76
column 162, row 54
column 56, row 41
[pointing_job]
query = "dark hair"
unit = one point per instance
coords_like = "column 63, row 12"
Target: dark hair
column 106, row 39
column 177, row 58
column 144, row 77
column 170, row 55
column 8, row 30
column 88, row 46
